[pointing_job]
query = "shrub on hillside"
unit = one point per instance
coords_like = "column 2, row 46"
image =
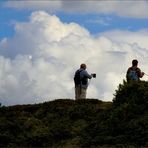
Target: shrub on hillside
column 131, row 93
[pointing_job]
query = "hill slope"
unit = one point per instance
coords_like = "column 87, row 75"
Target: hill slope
column 83, row 123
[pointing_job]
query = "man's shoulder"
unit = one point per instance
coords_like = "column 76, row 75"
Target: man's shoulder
column 129, row 69
column 78, row 70
column 134, row 68
column 138, row 68
column 83, row 71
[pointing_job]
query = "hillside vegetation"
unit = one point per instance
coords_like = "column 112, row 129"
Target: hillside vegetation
column 86, row 123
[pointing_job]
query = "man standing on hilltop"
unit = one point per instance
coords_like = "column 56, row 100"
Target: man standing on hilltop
column 134, row 73
column 81, row 81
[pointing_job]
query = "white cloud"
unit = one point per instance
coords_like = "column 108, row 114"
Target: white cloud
column 134, row 9
column 39, row 62
column 105, row 21
column 140, row 37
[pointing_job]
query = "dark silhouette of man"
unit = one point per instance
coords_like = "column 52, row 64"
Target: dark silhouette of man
column 81, row 87
column 134, row 73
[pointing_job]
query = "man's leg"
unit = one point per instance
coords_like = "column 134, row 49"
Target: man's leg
column 83, row 93
column 77, row 92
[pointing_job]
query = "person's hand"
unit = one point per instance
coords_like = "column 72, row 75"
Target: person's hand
column 142, row 73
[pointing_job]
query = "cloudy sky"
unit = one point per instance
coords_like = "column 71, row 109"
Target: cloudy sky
column 42, row 44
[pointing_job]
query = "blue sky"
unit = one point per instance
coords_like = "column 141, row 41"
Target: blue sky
column 94, row 22
column 7, row 18
column 42, row 43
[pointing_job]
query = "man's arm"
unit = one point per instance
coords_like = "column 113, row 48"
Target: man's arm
column 85, row 74
column 88, row 75
column 140, row 74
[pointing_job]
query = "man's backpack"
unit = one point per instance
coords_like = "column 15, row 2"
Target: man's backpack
column 132, row 75
column 77, row 78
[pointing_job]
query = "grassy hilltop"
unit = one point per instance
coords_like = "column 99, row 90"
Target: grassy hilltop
column 86, row 123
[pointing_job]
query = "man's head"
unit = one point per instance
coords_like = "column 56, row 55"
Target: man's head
column 83, row 66
column 134, row 62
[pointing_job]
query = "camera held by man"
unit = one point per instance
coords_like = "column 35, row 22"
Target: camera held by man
column 93, row 75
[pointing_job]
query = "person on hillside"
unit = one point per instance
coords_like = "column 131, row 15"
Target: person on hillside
column 81, row 81
column 134, row 73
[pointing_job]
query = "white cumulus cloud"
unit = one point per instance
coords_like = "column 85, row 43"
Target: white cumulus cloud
column 38, row 63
